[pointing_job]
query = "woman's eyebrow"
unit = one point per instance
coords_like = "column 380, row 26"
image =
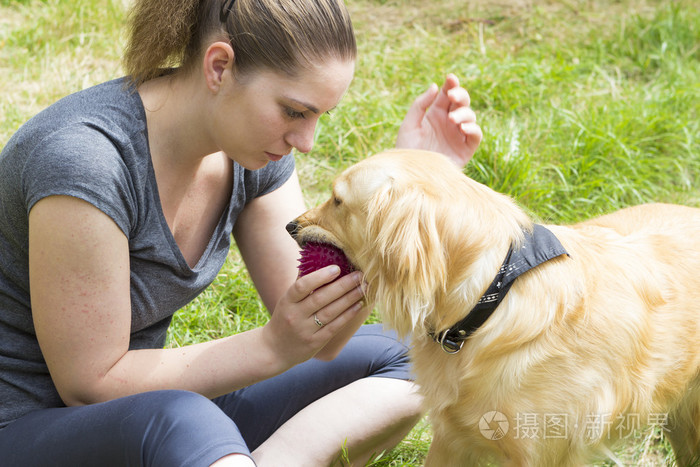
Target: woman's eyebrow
column 310, row 107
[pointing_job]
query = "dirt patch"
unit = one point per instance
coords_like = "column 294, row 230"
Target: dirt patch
column 511, row 18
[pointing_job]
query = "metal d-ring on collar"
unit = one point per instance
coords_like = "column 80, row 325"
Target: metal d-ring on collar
column 539, row 246
column 448, row 345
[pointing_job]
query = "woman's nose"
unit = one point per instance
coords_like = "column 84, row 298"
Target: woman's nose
column 302, row 137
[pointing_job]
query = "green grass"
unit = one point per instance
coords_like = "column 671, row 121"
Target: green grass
column 586, row 107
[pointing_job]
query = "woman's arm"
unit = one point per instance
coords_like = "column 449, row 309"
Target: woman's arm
column 79, row 282
column 271, row 255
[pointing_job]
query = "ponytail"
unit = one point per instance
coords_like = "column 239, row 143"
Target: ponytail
column 159, row 34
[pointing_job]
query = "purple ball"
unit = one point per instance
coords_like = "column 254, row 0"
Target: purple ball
column 316, row 255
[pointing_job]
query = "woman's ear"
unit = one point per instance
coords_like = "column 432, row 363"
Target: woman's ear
column 218, row 59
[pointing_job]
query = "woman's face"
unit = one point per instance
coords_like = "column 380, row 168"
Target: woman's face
column 263, row 116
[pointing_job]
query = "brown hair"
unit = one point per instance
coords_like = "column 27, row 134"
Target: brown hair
column 280, row 35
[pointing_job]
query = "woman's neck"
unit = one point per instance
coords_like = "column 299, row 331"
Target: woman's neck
column 177, row 121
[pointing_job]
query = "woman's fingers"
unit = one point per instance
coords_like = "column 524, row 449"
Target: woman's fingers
column 306, row 285
column 314, row 309
column 340, row 310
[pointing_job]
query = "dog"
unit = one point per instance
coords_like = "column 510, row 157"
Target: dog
column 590, row 342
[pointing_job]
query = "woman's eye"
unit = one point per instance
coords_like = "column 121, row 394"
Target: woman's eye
column 291, row 113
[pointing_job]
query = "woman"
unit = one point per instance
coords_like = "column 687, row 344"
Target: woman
column 118, row 204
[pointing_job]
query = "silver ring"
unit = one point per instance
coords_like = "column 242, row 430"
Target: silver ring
column 318, row 321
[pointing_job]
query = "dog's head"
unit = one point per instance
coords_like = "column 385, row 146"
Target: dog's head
column 418, row 228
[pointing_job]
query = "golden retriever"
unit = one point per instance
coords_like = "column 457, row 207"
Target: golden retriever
column 583, row 350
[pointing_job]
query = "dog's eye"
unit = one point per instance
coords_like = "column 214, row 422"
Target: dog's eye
column 337, row 201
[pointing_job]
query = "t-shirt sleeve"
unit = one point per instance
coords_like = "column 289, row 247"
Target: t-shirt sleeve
column 81, row 161
column 269, row 178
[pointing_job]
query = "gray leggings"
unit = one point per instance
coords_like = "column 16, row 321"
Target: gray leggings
column 180, row 428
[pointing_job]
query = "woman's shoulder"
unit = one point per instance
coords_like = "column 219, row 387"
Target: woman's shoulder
column 112, row 107
column 103, row 124
column 91, row 144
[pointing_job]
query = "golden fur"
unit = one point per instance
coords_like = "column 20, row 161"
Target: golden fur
column 612, row 332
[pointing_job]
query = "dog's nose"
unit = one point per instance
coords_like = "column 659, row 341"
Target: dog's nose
column 293, row 229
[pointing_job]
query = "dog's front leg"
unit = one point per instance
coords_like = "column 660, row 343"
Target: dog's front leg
column 458, row 449
column 440, row 454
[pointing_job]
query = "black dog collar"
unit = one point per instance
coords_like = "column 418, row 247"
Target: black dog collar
column 540, row 246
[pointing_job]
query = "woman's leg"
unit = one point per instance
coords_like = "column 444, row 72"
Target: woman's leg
column 366, row 417
column 362, row 399
column 160, row 428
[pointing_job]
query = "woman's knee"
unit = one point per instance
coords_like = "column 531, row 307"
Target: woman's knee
column 173, row 427
column 175, row 406
column 386, row 355
column 174, row 410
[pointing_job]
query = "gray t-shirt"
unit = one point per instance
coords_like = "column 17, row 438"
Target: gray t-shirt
column 93, row 145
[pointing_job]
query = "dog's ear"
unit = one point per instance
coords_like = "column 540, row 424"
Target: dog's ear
column 408, row 263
